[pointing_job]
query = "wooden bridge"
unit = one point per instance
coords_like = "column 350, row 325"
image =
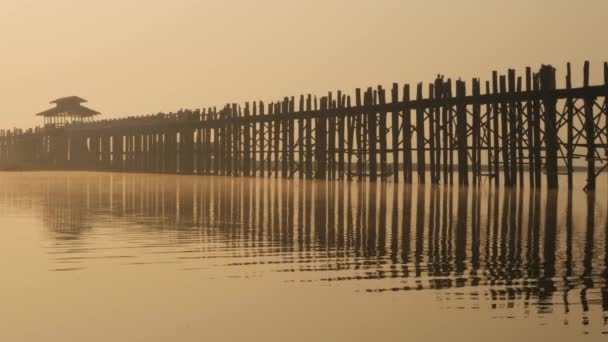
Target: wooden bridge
column 519, row 130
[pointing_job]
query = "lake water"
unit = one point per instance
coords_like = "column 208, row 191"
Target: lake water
column 130, row 257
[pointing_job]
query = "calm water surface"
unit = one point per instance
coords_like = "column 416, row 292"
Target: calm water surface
column 129, row 257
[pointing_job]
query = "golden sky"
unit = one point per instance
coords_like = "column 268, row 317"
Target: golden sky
column 133, row 57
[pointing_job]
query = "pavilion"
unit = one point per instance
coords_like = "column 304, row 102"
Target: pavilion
column 67, row 110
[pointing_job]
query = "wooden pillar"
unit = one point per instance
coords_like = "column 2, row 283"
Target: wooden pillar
column 186, row 165
column 537, row 141
column 382, row 133
column 253, row 127
column 350, row 139
column 512, row 122
column 277, row 138
column 570, row 129
column 359, row 134
column 270, row 137
column 520, row 135
column 420, row 145
column 461, row 129
column 291, row 139
column 263, row 138
column 320, row 141
column 496, row 129
column 246, row 124
column 476, row 133
column 331, row 136
column 504, row 123
column 395, row 131
column 309, row 145
column 547, row 79
column 372, row 134
column 285, row 138
column 589, row 132
column 117, row 152
column 406, row 127
column 530, row 131
column 301, row 138
column 437, row 120
column 431, row 140
column 451, row 133
column 341, row 117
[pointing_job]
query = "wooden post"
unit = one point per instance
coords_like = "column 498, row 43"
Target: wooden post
column 331, row 136
column 450, row 133
column 420, row 145
column 407, row 135
column 445, row 112
column 320, row 141
column 395, row 132
column 520, row 136
column 277, row 138
column 551, row 140
column 504, row 123
column 291, row 139
column 461, row 129
column 512, row 118
column 341, row 136
column 570, row 129
column 309, row 146
column 495, row 120
column 246, row 127
column 262, row 136
column 476, row 152
column 488, row 132
column 254, row 139
column 350, row 133
column 437, row 136
column 530, row 131
column 431, row 140
column 537, row 142
column 372, row 134
column 359, row 134
column 382, row 133
column 301, row 138
column 285, row 138
column 589, row 132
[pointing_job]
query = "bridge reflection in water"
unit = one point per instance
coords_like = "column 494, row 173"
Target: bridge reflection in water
column 518, row 252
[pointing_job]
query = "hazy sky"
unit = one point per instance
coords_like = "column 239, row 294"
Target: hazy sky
column 133, row 57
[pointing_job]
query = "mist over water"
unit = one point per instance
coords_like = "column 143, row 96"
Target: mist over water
column 101, row 256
